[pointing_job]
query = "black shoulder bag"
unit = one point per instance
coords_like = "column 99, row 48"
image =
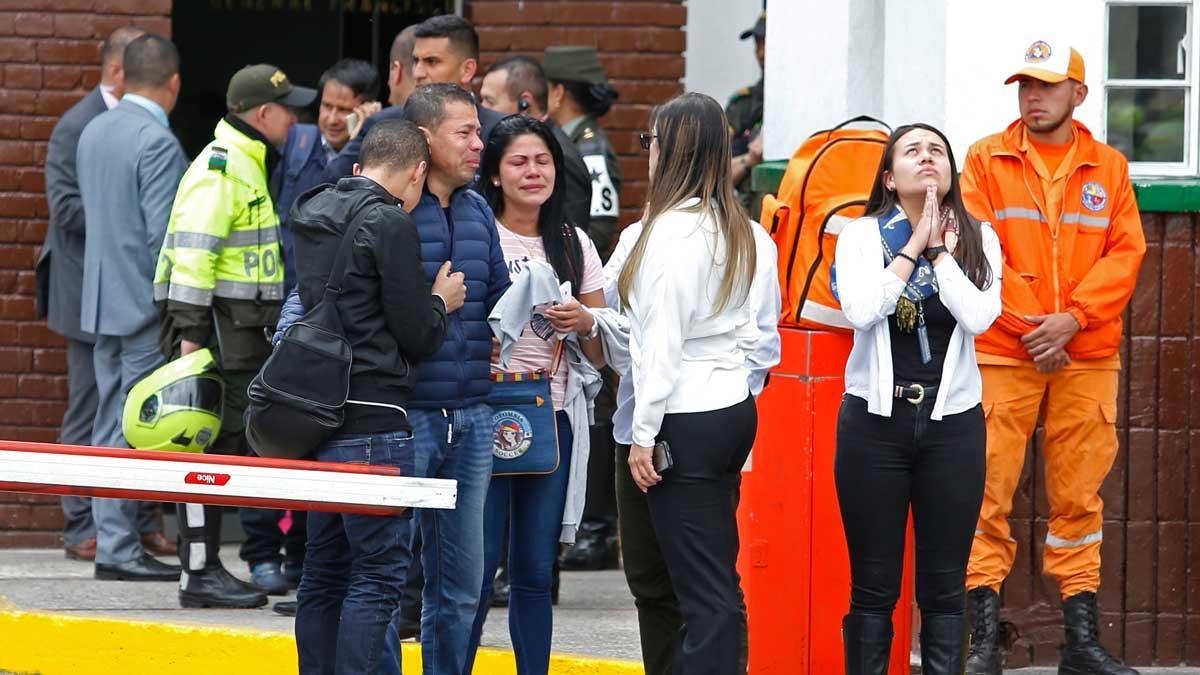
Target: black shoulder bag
column 297, row 398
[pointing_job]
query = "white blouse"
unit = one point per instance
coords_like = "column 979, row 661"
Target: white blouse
column 868, row 293
column 685, row 358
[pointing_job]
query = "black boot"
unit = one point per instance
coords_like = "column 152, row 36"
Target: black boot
column 595, row 547
column 868, row 642
column 1082, row 654
column 205, row 582
column 943, row 644
column 985, row 656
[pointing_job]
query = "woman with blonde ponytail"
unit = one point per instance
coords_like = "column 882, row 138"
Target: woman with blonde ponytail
column 685, row 288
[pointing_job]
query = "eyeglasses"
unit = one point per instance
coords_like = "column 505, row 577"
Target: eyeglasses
column 646, row 138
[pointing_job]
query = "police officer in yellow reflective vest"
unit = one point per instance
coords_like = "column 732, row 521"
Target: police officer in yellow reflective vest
column 219, row 284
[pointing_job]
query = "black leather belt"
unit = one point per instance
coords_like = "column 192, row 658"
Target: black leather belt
column 914, row 393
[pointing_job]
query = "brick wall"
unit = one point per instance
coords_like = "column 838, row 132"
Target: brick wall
column 641, row 45
column 1150, row 592
column 50, row 50
column 50, row 54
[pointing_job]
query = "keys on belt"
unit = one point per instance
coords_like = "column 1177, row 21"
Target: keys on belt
column 914, row 393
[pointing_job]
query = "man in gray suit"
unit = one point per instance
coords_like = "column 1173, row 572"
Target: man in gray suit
column 129, row 166
column 59, row 277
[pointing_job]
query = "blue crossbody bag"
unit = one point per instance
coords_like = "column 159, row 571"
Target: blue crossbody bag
column 525, row 437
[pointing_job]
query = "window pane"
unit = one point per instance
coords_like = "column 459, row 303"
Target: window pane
column 1147, row 124
column 1143, row 42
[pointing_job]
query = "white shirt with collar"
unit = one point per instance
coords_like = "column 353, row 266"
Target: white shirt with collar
column 684, row 358
column 868, row 293
column 110, row 99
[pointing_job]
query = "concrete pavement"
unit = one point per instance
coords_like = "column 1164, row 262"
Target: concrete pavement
column 595, row 616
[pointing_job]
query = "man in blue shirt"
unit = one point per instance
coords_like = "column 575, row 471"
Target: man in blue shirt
column 346, row 86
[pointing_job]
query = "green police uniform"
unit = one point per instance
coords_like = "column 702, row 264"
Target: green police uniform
column 581, row 65
column 745, row 114
column 601, row 159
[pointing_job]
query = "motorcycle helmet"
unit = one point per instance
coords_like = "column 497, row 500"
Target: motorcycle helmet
column 177, row 407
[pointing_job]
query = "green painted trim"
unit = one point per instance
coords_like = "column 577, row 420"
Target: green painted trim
column 766, row 177
column 1153, row 195
column 1169, row 196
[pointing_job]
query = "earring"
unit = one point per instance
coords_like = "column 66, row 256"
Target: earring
column 496, row 183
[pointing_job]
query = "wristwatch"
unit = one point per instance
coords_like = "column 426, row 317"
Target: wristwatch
column 932, row 253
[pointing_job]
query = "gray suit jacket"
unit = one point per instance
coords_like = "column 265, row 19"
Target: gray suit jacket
column 60, row 265
column 129, row 169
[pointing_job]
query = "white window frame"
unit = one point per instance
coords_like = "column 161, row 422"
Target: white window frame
column 1190, row 167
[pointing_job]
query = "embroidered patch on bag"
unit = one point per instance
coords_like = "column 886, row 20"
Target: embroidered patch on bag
column 1094, row 196
column 513, row 434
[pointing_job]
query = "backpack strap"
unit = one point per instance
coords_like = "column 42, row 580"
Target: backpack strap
column 337, row 273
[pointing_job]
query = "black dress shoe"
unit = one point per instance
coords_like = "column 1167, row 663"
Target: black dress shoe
column 216, row 587
column 595, row 548
column 285, row 608
column 146, row 568
column 500, row 589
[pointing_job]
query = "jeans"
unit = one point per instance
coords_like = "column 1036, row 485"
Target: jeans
column 884, row 466
column 457, row 444
column 354, row 568
column 693, row 511
column 535, row 505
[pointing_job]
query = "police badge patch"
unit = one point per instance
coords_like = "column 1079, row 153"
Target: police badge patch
column 513, row 434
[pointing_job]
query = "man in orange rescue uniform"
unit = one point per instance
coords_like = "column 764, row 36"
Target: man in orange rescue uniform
column 1068, row 223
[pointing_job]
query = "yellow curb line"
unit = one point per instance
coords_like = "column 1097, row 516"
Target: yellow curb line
column 50, row 644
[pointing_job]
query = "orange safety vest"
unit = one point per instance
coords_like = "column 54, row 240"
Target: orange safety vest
column 1082, row 257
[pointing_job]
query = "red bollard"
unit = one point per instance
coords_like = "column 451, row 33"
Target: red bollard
column 794, row 565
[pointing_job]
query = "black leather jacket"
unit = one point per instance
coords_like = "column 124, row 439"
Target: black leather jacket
column 387, row 308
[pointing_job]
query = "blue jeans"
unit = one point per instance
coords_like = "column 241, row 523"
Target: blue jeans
column 535, row 506
column 354, row 568
column 453, row 444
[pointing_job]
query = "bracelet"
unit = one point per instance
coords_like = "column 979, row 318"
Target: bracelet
column 909, row 258
column 594, row 332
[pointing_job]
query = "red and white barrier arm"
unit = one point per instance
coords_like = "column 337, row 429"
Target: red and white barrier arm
column 216, row 479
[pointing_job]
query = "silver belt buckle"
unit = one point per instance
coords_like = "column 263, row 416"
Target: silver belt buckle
column 920, row 394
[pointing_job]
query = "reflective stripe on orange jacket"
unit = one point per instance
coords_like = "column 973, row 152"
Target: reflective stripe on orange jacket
column 1082, row 259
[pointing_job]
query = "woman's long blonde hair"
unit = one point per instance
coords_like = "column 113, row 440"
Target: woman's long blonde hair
column 694, row 162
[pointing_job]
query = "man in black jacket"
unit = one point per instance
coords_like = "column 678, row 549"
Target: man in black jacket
column 392, row 318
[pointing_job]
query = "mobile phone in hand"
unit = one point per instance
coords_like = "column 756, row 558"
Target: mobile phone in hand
column 661, row 457
column 351, row 122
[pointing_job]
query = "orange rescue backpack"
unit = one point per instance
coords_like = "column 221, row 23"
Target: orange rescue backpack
column 826, row 185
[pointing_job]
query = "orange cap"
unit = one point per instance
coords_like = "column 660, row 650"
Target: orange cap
column 1050, row 62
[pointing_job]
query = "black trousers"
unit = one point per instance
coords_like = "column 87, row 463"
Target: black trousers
column 694, row 514
column 659, row 620
column 265, row 542
column 887, row 465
